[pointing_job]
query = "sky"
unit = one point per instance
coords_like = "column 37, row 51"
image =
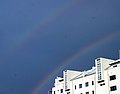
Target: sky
column 41, row 38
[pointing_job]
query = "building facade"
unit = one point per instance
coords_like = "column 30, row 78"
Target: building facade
column 103, row 78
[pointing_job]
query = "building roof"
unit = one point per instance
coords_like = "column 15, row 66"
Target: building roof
column 85, row 73
column 113, row 64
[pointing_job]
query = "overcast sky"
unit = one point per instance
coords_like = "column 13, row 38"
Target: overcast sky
column 41, row 38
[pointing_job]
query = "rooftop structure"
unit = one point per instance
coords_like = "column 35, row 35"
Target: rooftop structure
column 103, row 78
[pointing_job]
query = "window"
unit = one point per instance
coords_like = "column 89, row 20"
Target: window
column 113, row 88
column 61, row 90
column 54, row 92
column 87, row 93
column 75, row 86
column 99, row 71
column 103, row 84
column 86, row 84
column 100, row 81
column 61, row 80
column 80, row 85
column 98, row 59
column 114, row 66
column 92, row 92
column 113, row 77
column 81, row 93
column 100, row 84
column 92, row 82
column 68, row 92
column 65, row 79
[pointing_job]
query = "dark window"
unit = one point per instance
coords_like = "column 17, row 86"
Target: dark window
column 100, row 84
column 81, row 93
column 99, row 71
column 87, row 93
column 54, row 92
column 113, row 77
column 101, row 81
column 61, row 80
column 68, row 92
column 80, row 85
column 92, row 82
column 61, row 90
column 92, row 92
column 113, row 88
column 114, row 66
column 98, row 59
column 75, row 86
column 86, row 84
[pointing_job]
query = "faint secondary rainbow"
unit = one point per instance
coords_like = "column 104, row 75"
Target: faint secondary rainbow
column 74, row 56
column 41, row 24
column 37, row 28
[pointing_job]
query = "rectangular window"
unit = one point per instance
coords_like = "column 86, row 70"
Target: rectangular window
column 113, row 88
column 61, row 80
column 100, row 84
column 113, row 77
column 92, row 92
column 65, row 79
column 99, row 71
column 80, row 85
column 68, row 92
column 92, row 82
column 103, row 84
column 101, row 81
column 86, row 84
column 75, row 86
column 87, row 93
column 61, row 90
column 54, row 92
column 114, row 66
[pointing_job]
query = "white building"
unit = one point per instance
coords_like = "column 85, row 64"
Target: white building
column 103, row 78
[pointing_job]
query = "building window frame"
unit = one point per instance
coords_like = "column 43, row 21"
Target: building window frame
column 113, row 88
column 112, row 77
column 92, row 82
column 61, row 90
column 75, row 87
column 54, row 92
column 86, row 84
column 80, row 85
column 99, row 70
column 86, row 92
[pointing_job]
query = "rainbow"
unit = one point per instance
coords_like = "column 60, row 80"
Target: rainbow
column 42, row 24
column 80, row 52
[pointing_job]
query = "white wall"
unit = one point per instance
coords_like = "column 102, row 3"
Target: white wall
column 103, row 87
column 58, row 85
column 68, row 75
column 115, row 71
column 82, row 81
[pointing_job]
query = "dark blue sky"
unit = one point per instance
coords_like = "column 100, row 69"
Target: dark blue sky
column 41, row 38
